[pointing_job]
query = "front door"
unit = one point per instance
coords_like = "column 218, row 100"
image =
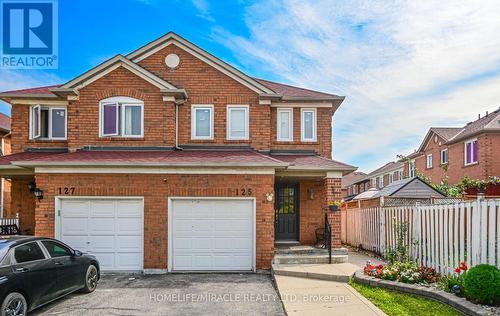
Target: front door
column 287, row 212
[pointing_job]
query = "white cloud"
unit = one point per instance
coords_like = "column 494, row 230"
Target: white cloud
column 403, row 65
column 203, row 9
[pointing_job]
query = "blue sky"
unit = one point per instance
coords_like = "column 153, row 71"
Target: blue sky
column 403, row 65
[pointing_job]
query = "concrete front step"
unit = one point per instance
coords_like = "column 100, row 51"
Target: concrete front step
column 308, row 258
column 329, row 272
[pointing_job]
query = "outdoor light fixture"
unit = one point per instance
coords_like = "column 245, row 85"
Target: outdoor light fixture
column 310, row 192
column 36, row 191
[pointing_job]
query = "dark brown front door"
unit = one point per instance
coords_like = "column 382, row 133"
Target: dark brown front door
column 287, row 212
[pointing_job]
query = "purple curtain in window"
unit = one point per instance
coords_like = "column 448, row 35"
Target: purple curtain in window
column 110, row 114
column 468, row 157
column 474, row 151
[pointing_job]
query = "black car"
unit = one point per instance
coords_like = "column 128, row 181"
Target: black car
column 35, row 271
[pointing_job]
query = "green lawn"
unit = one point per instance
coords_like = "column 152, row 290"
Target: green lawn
column 397, row 303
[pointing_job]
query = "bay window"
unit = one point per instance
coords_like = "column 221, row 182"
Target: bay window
column 202, row 122
column 48, row 122
column 285, row 125
column 121, row 117
column 237, row 122
column 308, row 125
column 471, row 152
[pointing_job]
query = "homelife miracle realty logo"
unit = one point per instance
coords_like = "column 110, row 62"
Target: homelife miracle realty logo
column 29, row 34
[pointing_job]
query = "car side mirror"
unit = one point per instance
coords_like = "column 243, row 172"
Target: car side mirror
column 77, row 253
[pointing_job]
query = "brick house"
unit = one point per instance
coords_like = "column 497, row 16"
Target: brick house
column 4, row 150
column 169, row 159
column 454, row 152
column 353, row 184
column 387, row 174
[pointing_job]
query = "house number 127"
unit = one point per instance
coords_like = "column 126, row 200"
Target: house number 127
column 66, row 190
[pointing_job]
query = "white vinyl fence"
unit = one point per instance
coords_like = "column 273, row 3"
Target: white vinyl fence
column 439, row 236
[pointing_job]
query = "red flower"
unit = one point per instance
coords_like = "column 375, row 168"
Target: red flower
column 457, row 270
column 463, row 266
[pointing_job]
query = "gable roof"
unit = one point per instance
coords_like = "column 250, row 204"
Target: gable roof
column 400, row 185
column 352, row 178
column 390, row 166
column 446, row 133
column 108, row 66
column 290, row 92
column 490, row 122
column 172, row 38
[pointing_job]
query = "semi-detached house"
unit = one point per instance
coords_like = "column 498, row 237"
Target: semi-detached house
column 169, row 159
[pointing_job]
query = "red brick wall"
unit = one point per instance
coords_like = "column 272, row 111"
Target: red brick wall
column 311, row 213
column 156, row 189
column 207, row 85
column 333, row 193
column 488, row 161
column 20, row 131
column 323, row 145
column 23, row 202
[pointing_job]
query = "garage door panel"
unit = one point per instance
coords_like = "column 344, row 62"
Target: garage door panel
column 74, row 226
column 101, row 226
column 100, row 209
column 111, row 229
column 75, row 208
column 212, row 235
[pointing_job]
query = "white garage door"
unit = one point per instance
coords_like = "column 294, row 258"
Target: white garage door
column 110, row 229
column 211, row 235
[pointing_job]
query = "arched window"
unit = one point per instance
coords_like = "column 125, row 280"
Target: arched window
column 121, row 117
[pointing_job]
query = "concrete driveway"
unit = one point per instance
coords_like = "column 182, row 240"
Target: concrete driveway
column 173, row 294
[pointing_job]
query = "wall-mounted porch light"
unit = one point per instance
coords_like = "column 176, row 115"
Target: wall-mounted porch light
column 36, row 191
column 310, row 193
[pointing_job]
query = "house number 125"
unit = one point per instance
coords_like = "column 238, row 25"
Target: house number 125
column 244, row 192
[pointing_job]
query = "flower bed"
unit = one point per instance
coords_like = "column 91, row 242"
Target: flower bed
column 406, row 272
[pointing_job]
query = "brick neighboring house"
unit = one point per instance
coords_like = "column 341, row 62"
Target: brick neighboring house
column 5, row 150
column 471, row 150
column 169, row 159
column 387, row 174
column 353, row 184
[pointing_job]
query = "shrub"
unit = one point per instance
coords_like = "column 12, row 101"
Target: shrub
column 428, row 274
column 482, row 284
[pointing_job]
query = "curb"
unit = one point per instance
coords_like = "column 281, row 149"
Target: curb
column 458, row 303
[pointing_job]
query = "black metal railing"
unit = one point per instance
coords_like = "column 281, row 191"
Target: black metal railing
column 328, row 238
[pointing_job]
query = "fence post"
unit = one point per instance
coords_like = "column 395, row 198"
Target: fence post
column 382, row 230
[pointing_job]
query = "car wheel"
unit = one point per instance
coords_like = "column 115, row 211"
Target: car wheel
column 90, row 279
column 14, row 304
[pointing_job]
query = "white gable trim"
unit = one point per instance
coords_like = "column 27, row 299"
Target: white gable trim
column 110, row 65
column 172, row 38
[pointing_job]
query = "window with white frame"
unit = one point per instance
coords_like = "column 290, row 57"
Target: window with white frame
column 400, row 174
column 411, row 169
column 121, row 117
column 202, row 121
column 48, row 122
column 237, row 122
column 381, row 181
column 444, row 156
column 471, row 152
column 285, row 125
column 308, row 125
column 429, row 161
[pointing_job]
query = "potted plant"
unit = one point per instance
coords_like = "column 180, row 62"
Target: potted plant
column 334, row 206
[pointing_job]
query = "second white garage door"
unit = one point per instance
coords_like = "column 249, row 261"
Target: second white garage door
column 211, row 235
column 111, row 229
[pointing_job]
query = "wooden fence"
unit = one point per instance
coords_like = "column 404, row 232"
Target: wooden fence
column 439, row 236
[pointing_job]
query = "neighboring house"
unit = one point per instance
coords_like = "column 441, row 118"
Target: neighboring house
column 353, row 184
column 471, row 150
column 409, row 188
column 387, row 174
column 169, row 159
column 5, row 150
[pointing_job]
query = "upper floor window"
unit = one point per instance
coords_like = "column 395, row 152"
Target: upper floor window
column 400, row 174
column 121, row 117
column 237, row 122
column 308, row 125
column 411, row 169
column 391, row 178
column 444, row 156
column 48, row 122
column 381, row 181
column 429, row 161
column 202, row 122
column 285, row 125
column 471, row 152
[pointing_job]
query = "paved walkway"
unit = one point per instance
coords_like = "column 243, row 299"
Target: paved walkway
column 312, row 289
column 303, row 296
